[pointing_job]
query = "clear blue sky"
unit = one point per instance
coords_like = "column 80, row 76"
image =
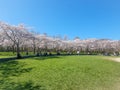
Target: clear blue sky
column 83, row 18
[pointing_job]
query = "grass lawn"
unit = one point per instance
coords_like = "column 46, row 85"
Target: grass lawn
column 11, row 54
column 7, row 54
column 60, row 73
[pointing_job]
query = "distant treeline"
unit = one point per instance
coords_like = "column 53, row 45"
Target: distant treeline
column 18, row 38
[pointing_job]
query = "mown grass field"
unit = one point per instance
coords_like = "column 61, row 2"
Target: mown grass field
column 11, row 54
column 60, row 73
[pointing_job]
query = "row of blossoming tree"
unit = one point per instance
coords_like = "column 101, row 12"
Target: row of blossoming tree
column 17, row 38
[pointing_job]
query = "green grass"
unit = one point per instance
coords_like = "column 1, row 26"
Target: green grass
column 11, row 54
column 60, row 73
column 7, row 54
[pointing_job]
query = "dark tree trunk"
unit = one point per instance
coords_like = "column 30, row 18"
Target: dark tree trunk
column 27, row 53
column 38, row 52
column 18, row 52
column 34, row 46
column 34, row 51
column 13, row 47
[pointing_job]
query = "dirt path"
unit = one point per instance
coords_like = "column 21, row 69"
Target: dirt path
column 115, row 59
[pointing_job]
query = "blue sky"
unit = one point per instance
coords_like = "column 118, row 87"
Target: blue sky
column 83, row 18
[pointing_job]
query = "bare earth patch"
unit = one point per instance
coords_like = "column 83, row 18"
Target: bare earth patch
column 115, row 59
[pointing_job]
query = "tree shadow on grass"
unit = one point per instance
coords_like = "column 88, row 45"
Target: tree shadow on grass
column 46, row 57
column 28, row 86
column 31, row 56
column 21, row 86
column 13, row 69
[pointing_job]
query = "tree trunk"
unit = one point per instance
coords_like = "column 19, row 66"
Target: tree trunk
column 13, row 49
column 18, row 52
column 34, row 49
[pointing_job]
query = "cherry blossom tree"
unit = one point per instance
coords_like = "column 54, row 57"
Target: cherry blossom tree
column 18, row 38
column 17, row 34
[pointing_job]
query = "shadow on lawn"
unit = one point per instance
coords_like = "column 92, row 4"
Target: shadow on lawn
column 14, row 58
column 32, row 56
column 46, row 57
column 20, row 86
column 11, row 69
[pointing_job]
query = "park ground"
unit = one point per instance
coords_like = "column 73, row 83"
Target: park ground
column 79, row 72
